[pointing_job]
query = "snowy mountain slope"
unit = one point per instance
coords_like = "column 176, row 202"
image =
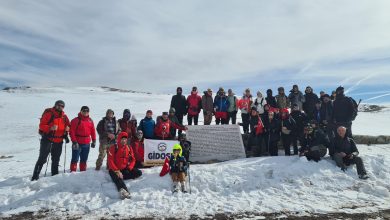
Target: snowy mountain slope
column 255, row 185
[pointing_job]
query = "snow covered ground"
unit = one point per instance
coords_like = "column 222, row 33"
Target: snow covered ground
column 255, row 185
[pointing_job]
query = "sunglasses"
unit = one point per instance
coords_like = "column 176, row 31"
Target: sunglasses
column 85, row 110
column 61, row 106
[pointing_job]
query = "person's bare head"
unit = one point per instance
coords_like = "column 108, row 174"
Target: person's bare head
column 341, row 131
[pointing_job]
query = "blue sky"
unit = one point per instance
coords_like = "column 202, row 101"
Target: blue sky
column 157, row 46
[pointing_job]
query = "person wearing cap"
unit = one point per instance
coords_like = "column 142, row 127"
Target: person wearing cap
column 147, row 125
column 346, row 153
column 207, row 106
column 296, row 97
column 172, row 117
column 244, row 105
column 121, row 163
column 343, row 110
column 138, row 147
column 271, row 100
column 300, row 119
column 53, row 127
column 128, row 125
column 281, row 99
column 272, row 133
column 179, row 102
column 162, row 131
column 233, row 107
column 194, row 103
column 314, row 142
column 178, row 169
column 221, row 105
column 82, row 132
column 107, row 128
column 310, row 101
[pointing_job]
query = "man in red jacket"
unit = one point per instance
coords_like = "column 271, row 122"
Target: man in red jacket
column 138, row 148
column 121, row 163
column 163, row 127
column 82, row 130
column 53, row 127
column 194, row 103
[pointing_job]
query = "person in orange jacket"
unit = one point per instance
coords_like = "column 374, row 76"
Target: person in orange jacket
column 121, row 162
column 82, row 131
column 53, row 127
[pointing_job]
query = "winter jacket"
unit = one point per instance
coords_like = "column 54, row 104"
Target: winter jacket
column 272, row 129
column 52, row 117
column 310, row 102
column 342, row 109
column 346, row 145
column 233, row 105
column 245, row 103
column 82, row 130
column 147, row 126
column 318, row 137
column 207, row 103
column 163, row 128
column 296, row 98
column 178, row 164
column 138, row 149
column 194, row 103
column 254, row 123
column 120, row 157
column 179, row 102
column 106, row 127
column 316, row 115
column 259, row 103
column 300, row 119
column 282, row 101
column 221, row 103
column 271, row 101
column 129, row 127
column 175, row 120
column 289, row 123
column 327, row 111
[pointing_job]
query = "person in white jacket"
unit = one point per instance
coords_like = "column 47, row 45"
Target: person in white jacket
column 259, row 103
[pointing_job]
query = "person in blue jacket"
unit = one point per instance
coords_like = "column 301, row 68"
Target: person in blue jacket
column 147, row 125
column 221, row 105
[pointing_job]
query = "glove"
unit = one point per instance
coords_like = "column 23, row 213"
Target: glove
column 93, row 144
column 75, row 146
column 66, row 138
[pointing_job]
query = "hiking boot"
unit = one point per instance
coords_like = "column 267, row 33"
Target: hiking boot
column 124, row 194
column 363, row 176
column 97, row 168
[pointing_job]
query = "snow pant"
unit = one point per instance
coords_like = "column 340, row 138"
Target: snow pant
column 180, row 118
column 286, row 139
column 344, row 162
column 294, row 141
column 194, row 117
column 81, row 153
column 103, row 149
column 221, row 117
column 178, row 177
column 47, row 147
column 207, row 118
column 233, row 116
column 245, row 122
column 347, row 125
column 257, row 144
column 272, row 145
column 316, row 153
column 127, row 174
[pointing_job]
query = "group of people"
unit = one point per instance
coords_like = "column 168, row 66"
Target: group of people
column 318, row 124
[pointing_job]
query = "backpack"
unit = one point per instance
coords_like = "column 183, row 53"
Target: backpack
column 355, row 108
column 50, row 120
column 261, row 102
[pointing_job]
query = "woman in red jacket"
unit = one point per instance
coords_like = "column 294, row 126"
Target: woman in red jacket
column 121, row 162
column 194, row 103
column 82, row 130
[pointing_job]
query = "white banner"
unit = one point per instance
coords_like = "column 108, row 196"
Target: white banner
column 215, row 143
column 157, row 150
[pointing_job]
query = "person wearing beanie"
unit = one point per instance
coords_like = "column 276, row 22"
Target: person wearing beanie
column 296, row 97
column 162, row 130
column 207, row 106
column 82, row 132
column 343, row 111
column 179, row 102
column 128, row 125
column 310, row 101
column 282, row 100
column 300, row 118
column 54, row 126
column 233, row 107
column 194, row 103
column 271, row 100
column 221, row 105
column 107, row 128
column 244, row 105
column 147, row 125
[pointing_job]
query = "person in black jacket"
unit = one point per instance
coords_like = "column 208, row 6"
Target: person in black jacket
column 343, row 111
column 288, row 125
column 347, row 153
column 179, row 102
column 326, row 116
column 271, row 100
column 300, row 119
column 257, row 131
column 310, row 101
column 316, row 113
column 272, row 133
column 314, row 142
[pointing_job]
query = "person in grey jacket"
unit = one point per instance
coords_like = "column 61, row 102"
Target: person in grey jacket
column 296, row 97
column 233, row 108
column 207, row 106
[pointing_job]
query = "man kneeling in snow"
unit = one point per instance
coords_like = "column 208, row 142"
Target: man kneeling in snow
column 121, row 163
column 347, row 153
column 178, row 169
column 314, row 142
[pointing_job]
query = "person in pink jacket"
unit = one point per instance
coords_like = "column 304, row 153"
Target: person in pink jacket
column 82, row 132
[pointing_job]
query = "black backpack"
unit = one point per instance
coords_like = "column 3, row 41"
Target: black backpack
column 355, row 108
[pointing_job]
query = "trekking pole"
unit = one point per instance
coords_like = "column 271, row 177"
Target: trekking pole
column 48, row 158
column 189, row 177
column 65, row 158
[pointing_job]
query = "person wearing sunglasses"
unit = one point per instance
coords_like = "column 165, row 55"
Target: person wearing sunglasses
column 82, row 131
column 53, row 128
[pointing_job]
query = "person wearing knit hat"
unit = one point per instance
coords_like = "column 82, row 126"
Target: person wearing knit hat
column 207, row 106
column 233, row 107
column 107, row 128
column 179, row 102
column 147, row 125
column 194, row 103
column 296, row 97
column 221, row 105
